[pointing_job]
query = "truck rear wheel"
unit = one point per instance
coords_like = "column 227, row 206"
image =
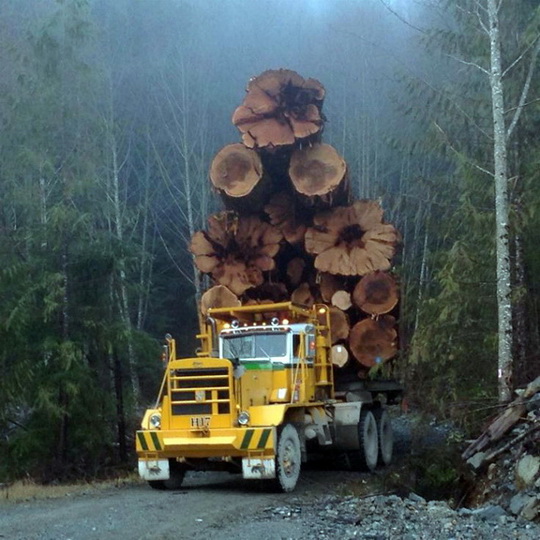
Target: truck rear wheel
column 386, row 436
column 176, row 478
column 288, row 459
column 365, row 458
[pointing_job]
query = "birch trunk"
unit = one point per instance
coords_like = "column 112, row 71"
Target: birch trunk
column 122, row 278
column 504, row 373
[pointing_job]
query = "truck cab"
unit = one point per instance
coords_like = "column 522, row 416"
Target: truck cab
column 257, row 397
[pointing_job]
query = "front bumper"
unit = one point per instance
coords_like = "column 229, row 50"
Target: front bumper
column 231, row 442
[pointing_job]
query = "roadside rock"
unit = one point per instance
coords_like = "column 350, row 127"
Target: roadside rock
column 389, row 517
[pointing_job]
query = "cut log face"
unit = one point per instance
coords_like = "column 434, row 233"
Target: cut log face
column 236, row 252
column 295, row 270
column 279, row 108
column 302, row 295
column 216, row 297
column 236, row 170
column 372, row 341
column 287, row 217
column 376, row 293
column 329, row 284
column 342, row 300
column 339, row 355
column 352, row 240
column 317, row 170
column 339, row 325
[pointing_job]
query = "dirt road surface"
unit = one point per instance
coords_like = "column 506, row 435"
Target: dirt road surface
column 209, row 506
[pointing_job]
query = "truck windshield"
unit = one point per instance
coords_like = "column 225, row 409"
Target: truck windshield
column 255, row 346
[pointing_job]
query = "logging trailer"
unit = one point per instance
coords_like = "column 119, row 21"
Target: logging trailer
column 258, row 398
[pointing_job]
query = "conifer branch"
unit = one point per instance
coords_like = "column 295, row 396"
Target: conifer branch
column 459, row 154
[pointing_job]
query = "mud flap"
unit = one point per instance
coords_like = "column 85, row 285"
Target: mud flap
column 254, row 468
column 154, row 469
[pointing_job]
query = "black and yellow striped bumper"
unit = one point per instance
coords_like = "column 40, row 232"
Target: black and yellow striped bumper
column 219, row 442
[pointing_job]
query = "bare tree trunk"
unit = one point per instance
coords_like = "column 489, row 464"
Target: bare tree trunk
column 145, row 270
column 504, row 372
column 122, row 278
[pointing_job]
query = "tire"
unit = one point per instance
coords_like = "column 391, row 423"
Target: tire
column 386, row 436
column 176, row 478
column 366, row 457
column 288, row 459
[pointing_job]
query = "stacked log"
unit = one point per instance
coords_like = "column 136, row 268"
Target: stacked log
column 291, row 229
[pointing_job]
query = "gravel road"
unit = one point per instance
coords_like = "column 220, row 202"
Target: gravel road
column 327, row 504
column 220, row 506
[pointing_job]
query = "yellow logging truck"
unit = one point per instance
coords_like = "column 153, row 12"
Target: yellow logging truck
column 258, row 399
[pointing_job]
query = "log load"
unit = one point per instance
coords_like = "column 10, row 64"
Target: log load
column 352, row 240
column 280, row 107
column 218, row 296
column 236, row 252
column 342, row 300
column 318, row 174
column 303, row 296
column 237, row 174
column 339, row 325
column 284, row 213
column 339, row 355
column 376, row 293
column 291, row 231
column 373, row 341
column 329, row 284
column 295, row 270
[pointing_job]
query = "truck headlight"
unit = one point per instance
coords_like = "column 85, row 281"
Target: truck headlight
column 243, row 418
column 155, row 421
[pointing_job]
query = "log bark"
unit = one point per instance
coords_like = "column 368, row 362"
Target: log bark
column 280, row 107
column 373, row 341
column 339, row 355
column 339, row 325
column 318, row 174
column 216, row 297
column 235, row 251
column 352, row 240
column 376, row 293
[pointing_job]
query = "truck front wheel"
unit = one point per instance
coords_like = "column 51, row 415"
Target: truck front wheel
column 176, row 478
column 288, row 459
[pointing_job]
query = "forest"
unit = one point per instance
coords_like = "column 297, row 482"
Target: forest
column 111, row 112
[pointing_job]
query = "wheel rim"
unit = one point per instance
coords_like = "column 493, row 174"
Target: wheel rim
column 288, row 459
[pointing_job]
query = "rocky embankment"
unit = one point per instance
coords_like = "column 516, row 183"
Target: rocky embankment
column 506, row 457
column 391, row 517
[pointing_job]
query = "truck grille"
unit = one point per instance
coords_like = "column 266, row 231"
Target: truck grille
column 203, row 391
